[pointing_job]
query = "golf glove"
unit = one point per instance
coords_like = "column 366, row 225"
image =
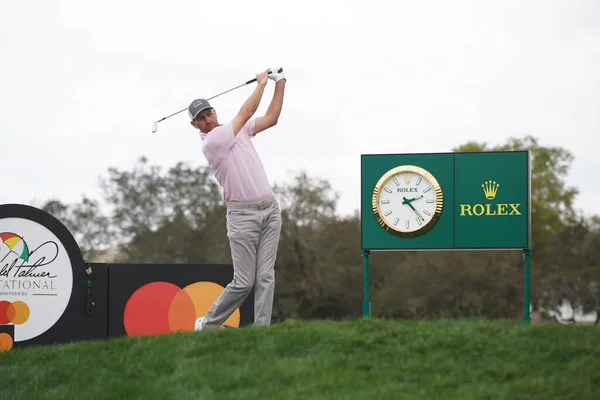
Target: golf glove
column 276, row 76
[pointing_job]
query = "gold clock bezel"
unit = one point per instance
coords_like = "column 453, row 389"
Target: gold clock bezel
column 385, row 179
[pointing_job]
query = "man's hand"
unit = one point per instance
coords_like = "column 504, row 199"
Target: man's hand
column 261, row 78
column 276, row 76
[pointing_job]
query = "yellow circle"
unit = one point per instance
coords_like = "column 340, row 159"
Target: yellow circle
column 203, row 296
column 18, row 312
column 6, row 342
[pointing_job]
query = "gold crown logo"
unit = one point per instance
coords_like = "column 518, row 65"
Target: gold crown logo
column 407, row 179
column 490, row 188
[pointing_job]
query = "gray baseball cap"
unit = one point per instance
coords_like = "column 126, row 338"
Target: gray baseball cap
column 196, row 106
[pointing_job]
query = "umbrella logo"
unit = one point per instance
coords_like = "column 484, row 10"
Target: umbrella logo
column 16, row 244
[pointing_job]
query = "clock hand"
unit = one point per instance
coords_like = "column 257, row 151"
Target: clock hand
column 414, row 198
column 406, row 201
column 419, row 215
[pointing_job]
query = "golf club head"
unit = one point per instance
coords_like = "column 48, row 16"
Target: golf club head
column 154, row 127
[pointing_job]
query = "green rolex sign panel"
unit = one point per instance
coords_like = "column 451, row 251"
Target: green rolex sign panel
column 446, row 201
column 491, row 191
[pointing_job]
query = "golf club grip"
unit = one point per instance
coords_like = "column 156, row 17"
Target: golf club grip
column 280, row 70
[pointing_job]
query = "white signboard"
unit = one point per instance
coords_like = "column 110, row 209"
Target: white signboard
column 36, row 277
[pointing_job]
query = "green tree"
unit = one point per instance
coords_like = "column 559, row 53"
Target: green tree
column 573, row 276
column 90, row 227
column 316, row 272
column 173, row 215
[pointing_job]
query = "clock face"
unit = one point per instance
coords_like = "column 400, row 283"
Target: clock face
column 407, row 201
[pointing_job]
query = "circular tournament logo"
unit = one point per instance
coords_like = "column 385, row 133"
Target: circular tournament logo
column 36, row 277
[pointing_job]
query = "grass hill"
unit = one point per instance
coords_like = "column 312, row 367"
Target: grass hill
column 360, row 359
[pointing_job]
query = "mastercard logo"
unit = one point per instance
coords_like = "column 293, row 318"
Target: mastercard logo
column 6, row 342
column 163, row 307
column 16, row 312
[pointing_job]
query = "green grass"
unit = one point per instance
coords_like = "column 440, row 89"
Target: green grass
column 362, row 359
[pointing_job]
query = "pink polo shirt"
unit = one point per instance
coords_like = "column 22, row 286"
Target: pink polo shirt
column 236, row 164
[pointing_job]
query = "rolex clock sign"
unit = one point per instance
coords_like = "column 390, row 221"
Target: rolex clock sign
column 446, row 201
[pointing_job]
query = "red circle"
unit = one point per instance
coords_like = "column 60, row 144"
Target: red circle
column 4, row 312
column 147, row 310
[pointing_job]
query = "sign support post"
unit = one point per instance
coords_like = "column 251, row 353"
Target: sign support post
column 526, row 284
column 366, row 306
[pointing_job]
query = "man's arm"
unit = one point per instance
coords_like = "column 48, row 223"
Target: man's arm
column 272, row 115
column 249, row 107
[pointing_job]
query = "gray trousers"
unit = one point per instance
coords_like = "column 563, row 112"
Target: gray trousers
column 253, row 230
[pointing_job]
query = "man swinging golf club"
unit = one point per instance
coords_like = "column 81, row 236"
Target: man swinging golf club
column 253, row 214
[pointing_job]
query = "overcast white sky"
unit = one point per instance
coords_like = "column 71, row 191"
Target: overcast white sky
column 82, row 82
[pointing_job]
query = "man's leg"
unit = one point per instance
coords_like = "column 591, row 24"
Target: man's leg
column 243, row 230
column 265, row 268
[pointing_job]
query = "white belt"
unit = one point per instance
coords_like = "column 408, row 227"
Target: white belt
column 258, row 205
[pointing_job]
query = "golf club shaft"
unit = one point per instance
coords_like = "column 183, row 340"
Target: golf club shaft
column 210, row 98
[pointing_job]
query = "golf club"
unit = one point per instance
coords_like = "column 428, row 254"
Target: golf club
column 155, row 125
